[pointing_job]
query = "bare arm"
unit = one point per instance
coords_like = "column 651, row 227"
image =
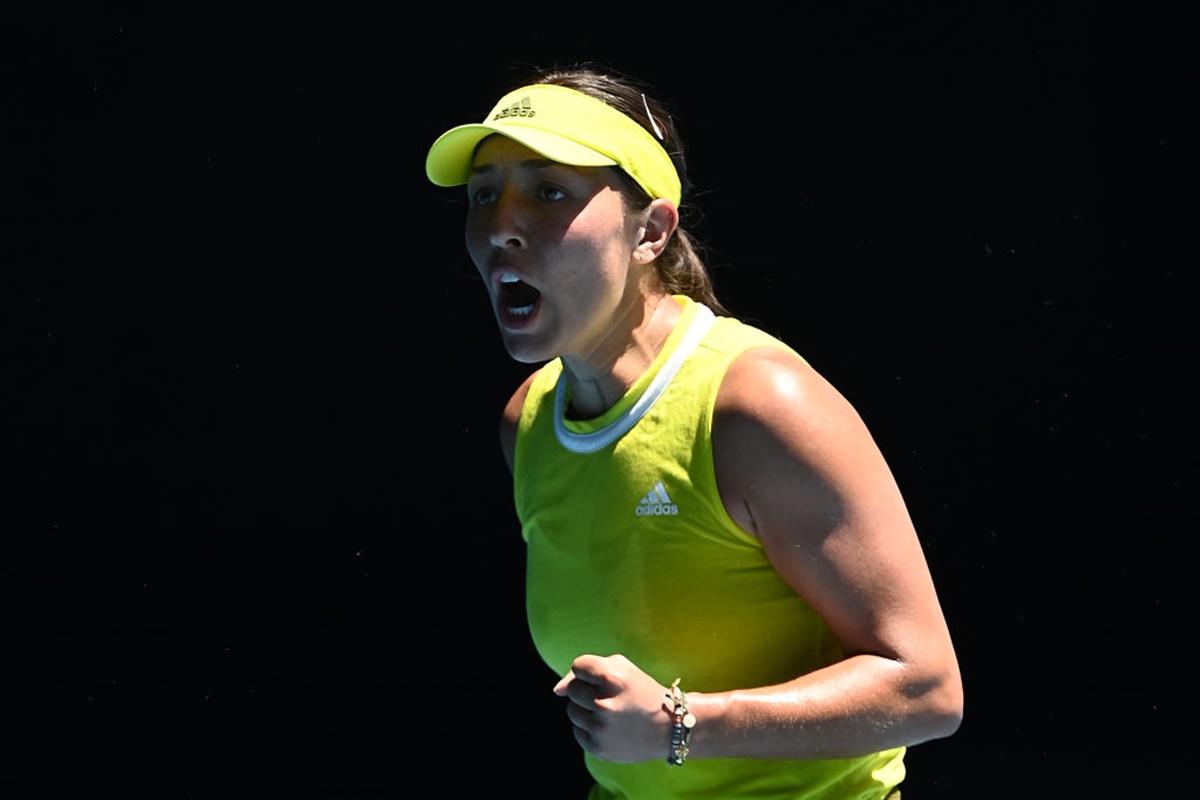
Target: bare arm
column 509, row 419
column 798, row 469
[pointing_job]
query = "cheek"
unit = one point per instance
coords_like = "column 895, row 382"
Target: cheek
column 476, row 242
column 603, row 241
column 584, row 260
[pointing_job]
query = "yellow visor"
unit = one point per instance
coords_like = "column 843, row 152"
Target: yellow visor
column 564, row 126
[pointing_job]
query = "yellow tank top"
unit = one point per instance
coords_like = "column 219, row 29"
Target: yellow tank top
column 630, row 550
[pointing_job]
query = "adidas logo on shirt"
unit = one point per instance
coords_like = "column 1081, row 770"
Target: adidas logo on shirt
column 657, row 503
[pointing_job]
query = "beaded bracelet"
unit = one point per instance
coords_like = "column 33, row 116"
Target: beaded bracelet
column 682, row 722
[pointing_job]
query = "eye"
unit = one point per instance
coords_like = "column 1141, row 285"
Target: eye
column 481, row 195
column 551, row 192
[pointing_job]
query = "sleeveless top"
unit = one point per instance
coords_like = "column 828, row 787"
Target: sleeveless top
column 630, row 550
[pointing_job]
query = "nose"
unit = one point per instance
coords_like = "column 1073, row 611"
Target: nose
column 508, row 223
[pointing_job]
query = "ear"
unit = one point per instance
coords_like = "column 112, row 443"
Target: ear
column 661, row 218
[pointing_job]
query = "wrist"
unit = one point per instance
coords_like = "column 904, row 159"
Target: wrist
column 683, row 721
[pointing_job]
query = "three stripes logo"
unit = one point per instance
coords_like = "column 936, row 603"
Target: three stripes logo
column 657, row 503
column 521, row 108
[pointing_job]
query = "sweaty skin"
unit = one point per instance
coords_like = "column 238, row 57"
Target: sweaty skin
column 796, row 468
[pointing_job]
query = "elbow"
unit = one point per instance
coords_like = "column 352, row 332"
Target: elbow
column 949, row 717
column 944, row 707
column 936, row 705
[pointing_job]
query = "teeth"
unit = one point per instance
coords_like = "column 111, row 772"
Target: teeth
column 508, row 278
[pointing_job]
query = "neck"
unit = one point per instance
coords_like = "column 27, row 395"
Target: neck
column 596, row 384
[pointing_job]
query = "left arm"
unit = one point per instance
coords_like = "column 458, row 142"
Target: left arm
column 798, row 469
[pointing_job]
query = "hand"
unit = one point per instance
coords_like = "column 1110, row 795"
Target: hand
column 619, row 712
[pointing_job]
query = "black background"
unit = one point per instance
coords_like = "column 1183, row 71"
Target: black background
column 259, row 539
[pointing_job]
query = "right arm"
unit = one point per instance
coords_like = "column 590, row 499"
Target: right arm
column 510, row 418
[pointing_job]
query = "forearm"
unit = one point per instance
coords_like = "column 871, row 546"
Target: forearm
column 861, row 705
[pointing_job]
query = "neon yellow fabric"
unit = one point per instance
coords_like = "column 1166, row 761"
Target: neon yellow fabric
column 566, row 126
column 679, row 588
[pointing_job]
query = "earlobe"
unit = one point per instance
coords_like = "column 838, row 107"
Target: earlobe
column 662, row 218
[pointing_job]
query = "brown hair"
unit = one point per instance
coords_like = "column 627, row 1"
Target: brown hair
column 680, row 266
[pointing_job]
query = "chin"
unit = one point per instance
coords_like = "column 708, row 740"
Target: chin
column 525, row 351
column 526, row 356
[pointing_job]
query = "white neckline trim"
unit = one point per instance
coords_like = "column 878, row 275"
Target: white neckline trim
column 599, row 439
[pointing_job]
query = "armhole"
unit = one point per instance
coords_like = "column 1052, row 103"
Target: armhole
column 768, row 344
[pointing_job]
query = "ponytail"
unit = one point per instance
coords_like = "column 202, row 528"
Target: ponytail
column 683, row 271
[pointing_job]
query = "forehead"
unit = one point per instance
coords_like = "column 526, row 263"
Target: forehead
column 498, row 153
column 501, row 148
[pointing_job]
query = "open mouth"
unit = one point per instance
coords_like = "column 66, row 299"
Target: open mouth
column 517, row 299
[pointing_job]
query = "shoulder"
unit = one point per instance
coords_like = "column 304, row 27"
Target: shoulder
column 773, row 386
column 782, row 431
column 510, row 418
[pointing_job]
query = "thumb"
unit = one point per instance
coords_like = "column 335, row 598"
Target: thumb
column 560, row 688
column 591, row 669
column 585, row 669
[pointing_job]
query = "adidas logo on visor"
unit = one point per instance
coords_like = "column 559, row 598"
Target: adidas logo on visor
column 521, row 108
column 657, row 503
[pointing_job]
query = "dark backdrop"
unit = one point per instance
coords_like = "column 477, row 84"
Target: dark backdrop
column 260, row 540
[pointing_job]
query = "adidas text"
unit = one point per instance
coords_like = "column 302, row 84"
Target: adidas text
column 656, row 503
column 519, row 109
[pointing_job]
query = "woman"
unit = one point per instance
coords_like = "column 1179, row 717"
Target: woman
column 720, row 564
